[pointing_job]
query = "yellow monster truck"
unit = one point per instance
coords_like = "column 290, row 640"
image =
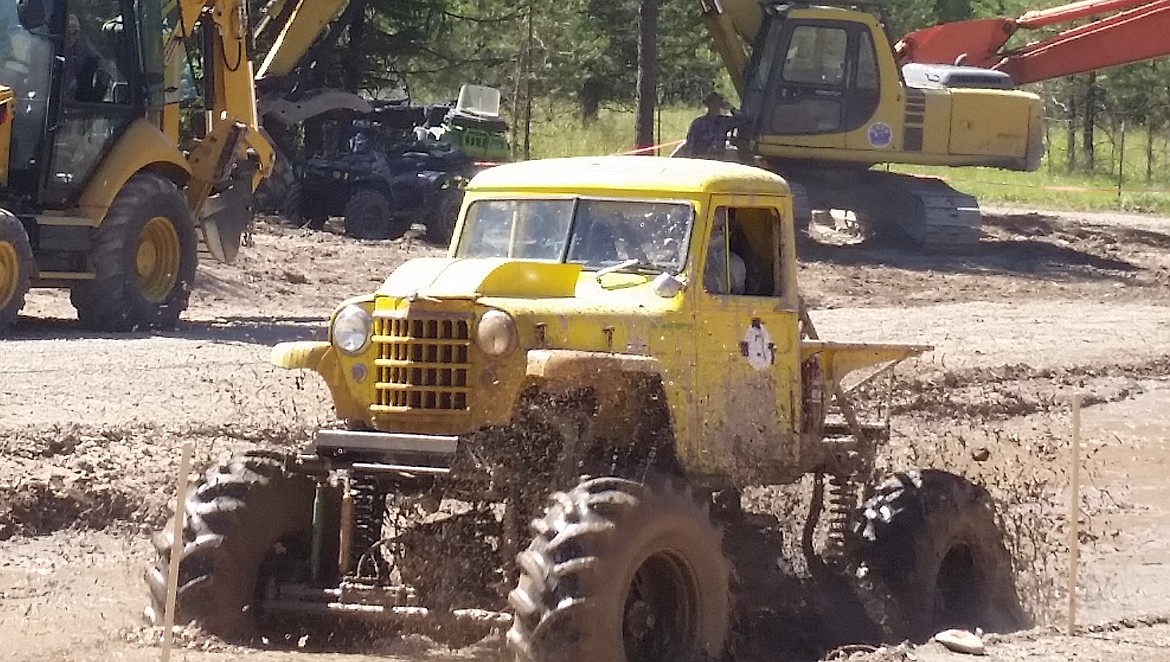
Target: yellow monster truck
column 546, row 430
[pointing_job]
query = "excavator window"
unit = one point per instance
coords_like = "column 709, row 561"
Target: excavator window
column 867, row 70
column 816, row 55
column 823, row 78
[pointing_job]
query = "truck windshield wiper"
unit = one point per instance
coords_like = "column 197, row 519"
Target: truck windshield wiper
column 623, row 266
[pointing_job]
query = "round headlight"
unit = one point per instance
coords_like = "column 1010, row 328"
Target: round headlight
column 496, row 333
column 351, row 330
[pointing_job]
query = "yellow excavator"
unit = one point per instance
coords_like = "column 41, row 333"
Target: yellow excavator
column 97, row 195
column 827, row 93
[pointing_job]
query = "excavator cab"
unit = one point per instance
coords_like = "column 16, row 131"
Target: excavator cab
column 814, row 76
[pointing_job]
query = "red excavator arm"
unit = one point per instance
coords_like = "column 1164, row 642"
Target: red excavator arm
column 1134, row 30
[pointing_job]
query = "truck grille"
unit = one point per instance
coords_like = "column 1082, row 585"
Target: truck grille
column 422, row 363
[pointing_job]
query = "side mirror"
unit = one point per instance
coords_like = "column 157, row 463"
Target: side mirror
column 667, row 286
column 31, row 13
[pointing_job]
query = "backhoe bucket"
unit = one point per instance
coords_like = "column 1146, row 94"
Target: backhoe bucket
column 227, row 214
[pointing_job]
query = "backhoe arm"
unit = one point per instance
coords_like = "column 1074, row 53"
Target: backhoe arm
column 733, row 25
column 1136, row 32
column 233, row 157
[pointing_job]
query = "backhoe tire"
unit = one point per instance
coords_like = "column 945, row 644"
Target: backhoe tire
column 144, row 260
column 929, row 546
column 368, row 216
column 17, row 266
column 622, row 572
column 247, row 521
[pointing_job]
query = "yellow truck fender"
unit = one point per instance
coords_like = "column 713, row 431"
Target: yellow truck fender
column 303, row 355
column 319, row 357
column 563, row 365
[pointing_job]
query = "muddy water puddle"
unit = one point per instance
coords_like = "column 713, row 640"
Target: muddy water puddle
column 1128, row 572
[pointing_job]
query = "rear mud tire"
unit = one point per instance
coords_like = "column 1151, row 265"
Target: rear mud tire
column 368, row 216
column 144, row 260
column 17, row 267
column 622, row 572
column 247, row 522
column 929, row 547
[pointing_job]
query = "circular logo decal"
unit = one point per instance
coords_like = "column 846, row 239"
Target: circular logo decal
column 880, row 134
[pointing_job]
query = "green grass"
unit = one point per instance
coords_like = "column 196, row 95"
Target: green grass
column 558, row 131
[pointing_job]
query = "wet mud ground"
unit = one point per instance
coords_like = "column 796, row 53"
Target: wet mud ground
column 1050, row 305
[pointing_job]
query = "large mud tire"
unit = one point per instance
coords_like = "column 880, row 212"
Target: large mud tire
column 17, row 267
column 935, row 558
column 144, row 260
column 368, row 216
column 247, row 521
column 622, row 572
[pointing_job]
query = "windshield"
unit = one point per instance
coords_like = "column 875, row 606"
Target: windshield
column 595, row 233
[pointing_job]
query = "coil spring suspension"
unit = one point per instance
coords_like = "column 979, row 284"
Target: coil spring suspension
column 369, row 506
column 843, row 493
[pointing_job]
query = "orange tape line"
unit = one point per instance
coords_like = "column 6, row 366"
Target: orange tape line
column 652, row 148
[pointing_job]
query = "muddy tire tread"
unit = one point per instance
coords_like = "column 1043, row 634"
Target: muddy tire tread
column 111, row 301
column 567, row 571
column 12, row 231
column 225, row 535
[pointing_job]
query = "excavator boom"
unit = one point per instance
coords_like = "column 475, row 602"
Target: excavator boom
column 1135, row 33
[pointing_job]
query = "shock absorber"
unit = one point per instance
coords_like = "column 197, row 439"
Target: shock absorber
column 843, row 493
column 369, row 507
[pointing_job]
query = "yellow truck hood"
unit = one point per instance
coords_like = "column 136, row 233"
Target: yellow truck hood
column 457, row 278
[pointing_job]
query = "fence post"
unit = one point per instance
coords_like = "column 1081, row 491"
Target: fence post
column 1121, row 164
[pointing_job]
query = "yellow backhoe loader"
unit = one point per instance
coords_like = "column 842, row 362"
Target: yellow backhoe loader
column 97, row 194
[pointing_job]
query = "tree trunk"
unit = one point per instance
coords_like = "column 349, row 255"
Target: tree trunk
column 355, row 65
column 1088, row 128
column 528, row 73
column 647, row 87
column 590, row 100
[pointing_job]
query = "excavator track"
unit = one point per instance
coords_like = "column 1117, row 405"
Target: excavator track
column 933, row 216
column 936, row 217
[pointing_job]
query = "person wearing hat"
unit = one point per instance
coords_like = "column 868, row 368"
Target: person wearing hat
column 707, row 136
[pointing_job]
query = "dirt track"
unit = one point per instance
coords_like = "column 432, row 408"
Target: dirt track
column 1050, row 305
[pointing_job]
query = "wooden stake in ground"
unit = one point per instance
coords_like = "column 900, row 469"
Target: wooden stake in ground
column 176, row 550
column 1074, row 513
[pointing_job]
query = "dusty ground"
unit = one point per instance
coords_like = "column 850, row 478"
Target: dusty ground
column 1050, row 305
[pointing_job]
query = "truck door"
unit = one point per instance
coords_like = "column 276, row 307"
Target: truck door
column 820, row 78
column 747, row 379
